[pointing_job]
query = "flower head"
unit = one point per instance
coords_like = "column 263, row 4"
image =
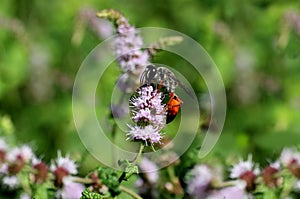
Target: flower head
column 23, row 153
column 247, row 171
column 201, row 177
column 290, row 158
column 149, row 169
column 148, row 134
column 147, row 107
column 268, row 174
column 127, row 46
column 148, row 113
column 63, row 167
column 41, row 170
column 18, row 157
column 70, row 189
column 11, row 182
column 242, row 167
column 64, row 163
column 233, row 192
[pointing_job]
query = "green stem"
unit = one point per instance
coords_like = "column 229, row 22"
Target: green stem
column 113, row 148
column 138, row 154
column 130, row 192
column 171, row 174
column 224, row 184
column 82, row 180
column 122, row 177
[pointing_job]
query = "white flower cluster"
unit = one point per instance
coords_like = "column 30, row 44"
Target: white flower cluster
column 244, row 166
column 148, row 113
column 290, row 156
column 14, row 160
column 64, row 163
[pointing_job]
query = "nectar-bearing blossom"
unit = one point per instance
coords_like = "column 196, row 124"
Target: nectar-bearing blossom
column 63, row 167
column 290, row 158
column 149, row 170
column 147, row 133
column 247, row 171
column 232, row 192
column 200, row 179
column 11, row 182
column 70, row 190
column 148, row 112
column 147, row 106
column 17, row 158
column 23, row 153
column 41, row 170
column 269, row 172
column 128, row 47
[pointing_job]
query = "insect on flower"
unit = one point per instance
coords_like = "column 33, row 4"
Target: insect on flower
column 166, row 82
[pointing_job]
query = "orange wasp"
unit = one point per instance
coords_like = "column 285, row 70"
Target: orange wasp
column 173, row 107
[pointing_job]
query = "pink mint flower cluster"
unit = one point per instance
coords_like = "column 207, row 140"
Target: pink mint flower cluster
column 19, row 162
column 245, row 178
column 149, row 115
column 128, row 48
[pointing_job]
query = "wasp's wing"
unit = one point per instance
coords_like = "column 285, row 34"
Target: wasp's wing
column 188, row 91
column 169, row 80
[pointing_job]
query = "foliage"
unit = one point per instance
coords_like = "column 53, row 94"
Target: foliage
column 255, row 45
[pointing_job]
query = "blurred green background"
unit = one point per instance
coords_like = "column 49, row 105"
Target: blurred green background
column 255, row 44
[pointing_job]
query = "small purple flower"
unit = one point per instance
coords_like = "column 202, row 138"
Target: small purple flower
column 65, row 163
column 247, row 171
column 149, row 169
column 4, row 168
column 24, row 153
column 268, row 174
column 233, row 192
column 131, row 57
column 288, row 156
column 147, row 133
column 127, row 47
column 11, row 182
column 62, row 168
column 17, row 158
column 198, row 184
column 41, row 170
column 70, row 190
column 242, row 167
